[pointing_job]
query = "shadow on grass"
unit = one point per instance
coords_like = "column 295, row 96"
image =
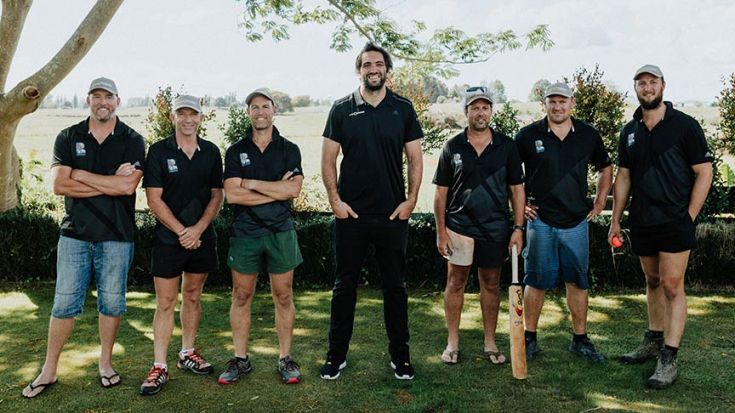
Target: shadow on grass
column 558, row 380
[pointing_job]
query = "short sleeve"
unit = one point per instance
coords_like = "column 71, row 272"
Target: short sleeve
column 513, row 166
column 62, row 151
column 444, row 172
column 520, row 147
column 333, row 128
column 153, row 177
column 413, row 129
column 600, row 158
column 293, row 160
column 623, row 156
column 695, row 145
column 232, row 163
column 135, row 151
column 215, row 176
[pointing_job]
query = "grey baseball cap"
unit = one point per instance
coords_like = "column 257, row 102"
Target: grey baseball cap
column 650, row 69
column 104, row 84
column 476, row 93
column 558, row 89
column 186, row 101
column 263, row 91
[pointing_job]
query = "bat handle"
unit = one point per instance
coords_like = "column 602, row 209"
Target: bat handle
column 514, row 262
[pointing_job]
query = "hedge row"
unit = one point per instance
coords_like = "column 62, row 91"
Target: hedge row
column 29, row 240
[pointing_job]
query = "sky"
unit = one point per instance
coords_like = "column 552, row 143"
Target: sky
column 197, row 46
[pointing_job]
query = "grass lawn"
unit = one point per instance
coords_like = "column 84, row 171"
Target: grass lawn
column 558, row 380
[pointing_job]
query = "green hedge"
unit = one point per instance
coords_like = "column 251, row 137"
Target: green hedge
column 30, row 236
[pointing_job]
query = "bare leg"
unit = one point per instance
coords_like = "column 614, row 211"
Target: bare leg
column 191, row 309
column 578, row 302
column 533, row 302
column 453, row 302
column 243, row 287
column 672, row 267
column 167, row 293
column 282, row 293
column 490, row 304
column 59, row 330
column 108, row 327
column 654, row 293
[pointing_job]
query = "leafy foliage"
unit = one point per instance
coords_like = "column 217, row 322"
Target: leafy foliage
column 158, row 121
column 599, row 105
column 726, row 102
column 363, row 18
column 505, row 120
column 282, row 101
column 717, row 201
column 234, row 129
column 537, row 90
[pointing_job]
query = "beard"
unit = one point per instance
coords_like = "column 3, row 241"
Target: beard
column 479, row 126
column 653, row 104
column 373, row 88
column 104, row 118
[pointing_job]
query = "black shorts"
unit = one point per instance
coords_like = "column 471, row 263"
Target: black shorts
column 489, row 254
column 674, row 236
column 169, row 261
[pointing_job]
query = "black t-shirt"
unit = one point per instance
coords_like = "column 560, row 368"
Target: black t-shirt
column 556, row 170
column 477, row 200
column 660, row 163
column 103, row 217
column 244, row 160
column 187, row 183
column 372, row 141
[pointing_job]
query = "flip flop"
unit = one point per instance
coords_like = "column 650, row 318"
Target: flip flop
column 495, row 357
column 109, row 378
column 450, row 356
column 42, row 386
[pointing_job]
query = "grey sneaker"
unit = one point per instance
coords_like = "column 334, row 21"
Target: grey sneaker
column 532, row 349
column 666, row 370
column 289, row 370
column 648, row 350
column 235, row 369
column 587, row 350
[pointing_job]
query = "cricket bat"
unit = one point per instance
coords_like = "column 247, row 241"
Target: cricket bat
column 517, row 336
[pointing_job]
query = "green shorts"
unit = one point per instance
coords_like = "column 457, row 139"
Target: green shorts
column 275, row 253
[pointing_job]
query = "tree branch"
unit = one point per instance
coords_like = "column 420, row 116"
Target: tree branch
column 28, row 93
column 11, row 25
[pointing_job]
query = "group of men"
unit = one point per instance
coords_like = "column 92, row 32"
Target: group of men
column 99, row 162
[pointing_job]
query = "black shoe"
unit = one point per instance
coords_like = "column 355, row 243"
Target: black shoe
column 330, row 369
column 153, row 384
column 648, row 350
column 403, row 369
column 532, row 349
column 235, row 368
column 587, row 350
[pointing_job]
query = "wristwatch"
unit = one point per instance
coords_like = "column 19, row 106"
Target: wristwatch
column 519, row 227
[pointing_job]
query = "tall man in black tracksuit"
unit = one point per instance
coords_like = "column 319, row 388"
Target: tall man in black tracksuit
column 372, row 126
column 664, row 161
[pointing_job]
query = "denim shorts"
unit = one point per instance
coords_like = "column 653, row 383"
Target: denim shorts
column 76, row 261
column 552, row 253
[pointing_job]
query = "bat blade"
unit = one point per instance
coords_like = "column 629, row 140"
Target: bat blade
column 515, row 307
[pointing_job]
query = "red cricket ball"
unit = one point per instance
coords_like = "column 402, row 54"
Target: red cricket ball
column 616, row 241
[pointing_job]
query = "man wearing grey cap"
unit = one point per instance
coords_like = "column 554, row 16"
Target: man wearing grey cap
column 664, row 163
column 478, row 171
column 183, row 184
column 97, row 165
column 557, row 151
column 262, row 175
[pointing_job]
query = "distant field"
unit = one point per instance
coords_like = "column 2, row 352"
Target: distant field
column 38, row 130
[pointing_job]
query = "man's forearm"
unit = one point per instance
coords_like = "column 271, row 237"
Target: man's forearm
column 621, row 190
column 164, row 215
column 74, row 189
column 702, row 184
column 282, row 190
column 113, row 185
column 518, row 203
column 213, row 207
column 604, row 184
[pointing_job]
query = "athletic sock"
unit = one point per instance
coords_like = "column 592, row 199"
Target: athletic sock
column 656, row 335
column 578, row 338
column 185, row 352
column 161, row 365
column 530, row 335
column 242, row 359
column 673, row 350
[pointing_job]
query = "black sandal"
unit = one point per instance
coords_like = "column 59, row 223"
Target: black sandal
column 110, row 384
column 42, row 386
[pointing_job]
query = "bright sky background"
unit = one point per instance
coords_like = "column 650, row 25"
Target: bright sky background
column 197, row 44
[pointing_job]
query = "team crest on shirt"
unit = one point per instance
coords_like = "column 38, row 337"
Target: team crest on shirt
column 457, row 160
column 539, row 146
column 631, row 139
column 80, row 150
column 171, row 163
column 244, row 159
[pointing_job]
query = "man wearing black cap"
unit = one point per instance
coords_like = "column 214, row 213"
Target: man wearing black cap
column 556, row 152
column 372, row 127
column 478, row 170
column 183, row 184
column 262, row 175
column 664, row 161
column 97, row 165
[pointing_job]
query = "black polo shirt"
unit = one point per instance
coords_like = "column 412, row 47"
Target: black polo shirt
column 103, row 217
column 477, row 200
column 556, row 170
column 372, row 141
column 187, row 183
column 660, row 163
column 245, row 160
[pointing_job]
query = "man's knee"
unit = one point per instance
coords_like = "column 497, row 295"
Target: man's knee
column 283, row 297
column 166, row 303
column 653, row 281
column 673, row 287
column 241, row 296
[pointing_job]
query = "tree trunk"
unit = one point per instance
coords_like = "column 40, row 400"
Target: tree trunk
column 28, row 94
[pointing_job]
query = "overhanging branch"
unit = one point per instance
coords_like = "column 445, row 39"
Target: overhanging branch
column 11, row 26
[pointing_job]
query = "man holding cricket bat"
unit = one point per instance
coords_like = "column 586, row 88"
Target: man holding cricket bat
column 556, row 152
column 666, row 165
column 479, row 169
